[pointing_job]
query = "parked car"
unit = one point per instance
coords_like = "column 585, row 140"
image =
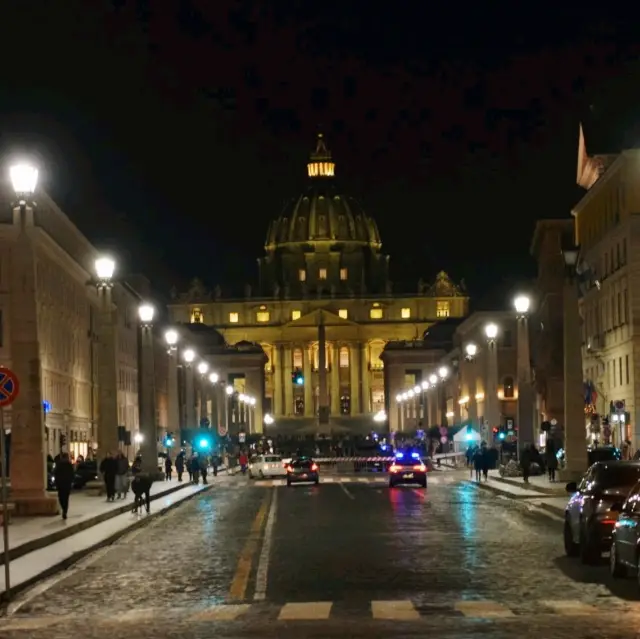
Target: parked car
column 625, row 540
column 590, row 515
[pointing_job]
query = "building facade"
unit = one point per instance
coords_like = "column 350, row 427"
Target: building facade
column 607, row 229
column 324, row 308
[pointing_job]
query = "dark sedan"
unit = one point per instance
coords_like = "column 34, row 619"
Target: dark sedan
column 590, row 515
column 303, row 469
column 625, row 542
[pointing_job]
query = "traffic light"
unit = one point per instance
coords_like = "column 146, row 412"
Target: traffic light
column 169, row 441
column 297, row 377
column 203, row 443
column 502, row 435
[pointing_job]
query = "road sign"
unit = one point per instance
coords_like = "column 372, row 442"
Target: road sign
column 9, row 387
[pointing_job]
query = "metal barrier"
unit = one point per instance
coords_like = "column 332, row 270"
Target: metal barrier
column 381, row 464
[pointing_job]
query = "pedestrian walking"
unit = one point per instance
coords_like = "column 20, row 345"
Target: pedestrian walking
column 122, row 476
column 168, row 465
column 526, row 459
column 477, row 463
column 486, row 460
column 64, row 474
column 551, row 460
column 180, row 465
column 194, row 469
column 141, row 487
column 108, row 469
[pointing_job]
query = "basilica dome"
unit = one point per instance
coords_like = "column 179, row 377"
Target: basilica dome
column 322, row 213
column 323, row 241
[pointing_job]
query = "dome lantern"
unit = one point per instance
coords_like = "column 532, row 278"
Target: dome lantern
column 320, row 164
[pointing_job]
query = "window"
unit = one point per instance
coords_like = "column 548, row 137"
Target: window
column 509, row 391
column 405, row 313
column 442, row 309
column 234, row 318
column 296, row 315
column 375, row 313
column 343, row 313
column 262, row 316
column 196, row 316
column 302, row 275
column 344, row 274
column 297, row 358
column 344, row 357
column 322, row 274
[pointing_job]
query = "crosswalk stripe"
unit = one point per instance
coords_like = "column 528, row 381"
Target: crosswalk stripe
column 309, row 611
column 394, row 610
column 222, row 612
column 570, row 607
column 484, row 609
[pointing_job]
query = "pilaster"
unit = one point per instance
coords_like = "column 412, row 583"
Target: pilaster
column 366, row 379
column 354, row 371
column 335, row 379
column 288, row 388
column 307, row 354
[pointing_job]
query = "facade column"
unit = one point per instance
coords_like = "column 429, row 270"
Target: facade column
column 307, row 354
column 366, row 378
column 526, row 395
column 147, row 402
column 491, row 402
column 335, row 380
column 287, row 368
column 27, row 465
column 254, row 383
column 472, row 413
column 277, row 381
column 354, row 370
column 575, row 445
column 323, row 399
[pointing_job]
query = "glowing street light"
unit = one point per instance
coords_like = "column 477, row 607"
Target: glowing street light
column 443, row 371
column 213, row 378
column 203, row 367
column 491, row 331
column 522, row 304
column 433, row 379
column 171, row 338
column 138, row 438
column 471, row 350
column 105, row 268
column 24, row 179
column 425, row 385
column 417, row 389
column 399, row 397
column 229, row 390
column 146, row 313
column 189, row 355
column 268, row 419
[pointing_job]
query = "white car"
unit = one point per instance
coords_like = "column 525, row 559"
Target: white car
column 267, row 466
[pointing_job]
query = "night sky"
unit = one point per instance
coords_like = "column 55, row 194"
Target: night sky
column 173, row 136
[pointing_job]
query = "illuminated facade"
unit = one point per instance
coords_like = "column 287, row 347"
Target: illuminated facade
column 65, row 333
column 607, row 229
column 323, row 281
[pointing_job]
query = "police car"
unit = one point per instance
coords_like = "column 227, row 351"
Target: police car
column 407, row 468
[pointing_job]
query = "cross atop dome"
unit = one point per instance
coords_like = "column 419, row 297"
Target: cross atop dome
column 320, row 164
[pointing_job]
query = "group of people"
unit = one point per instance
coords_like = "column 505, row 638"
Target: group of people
column 116, row 475
column 197, row 466
column 481, row 459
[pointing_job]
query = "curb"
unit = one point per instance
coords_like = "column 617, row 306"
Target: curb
column 498, row 491
column 75, row 557
column 547, row 492
column 59, row 535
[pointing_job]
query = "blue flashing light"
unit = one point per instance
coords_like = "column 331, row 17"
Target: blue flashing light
column 501, row 435
column 469, row 437
column 46, row 406
column 204, row 443
column 415, row 455
column 299, row 381
column 383, row 447
column 399, row 455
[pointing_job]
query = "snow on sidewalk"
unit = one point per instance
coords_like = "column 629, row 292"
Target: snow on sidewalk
column 40, row 563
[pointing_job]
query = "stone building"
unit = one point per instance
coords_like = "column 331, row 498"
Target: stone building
column 324, row 308
column 48, row 337
column 607, row 229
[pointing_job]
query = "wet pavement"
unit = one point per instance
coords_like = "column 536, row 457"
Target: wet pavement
column 347, row 558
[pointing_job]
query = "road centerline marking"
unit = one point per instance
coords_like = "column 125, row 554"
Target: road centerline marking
column 265, row 554
column 347, row 492
column 240, row 581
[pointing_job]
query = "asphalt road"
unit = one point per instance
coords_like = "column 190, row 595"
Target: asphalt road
column 349, row 558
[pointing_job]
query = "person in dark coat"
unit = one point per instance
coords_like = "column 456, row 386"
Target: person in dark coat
column 477, row 462
column 109, row 470
column 141, row 486
column 551, row 460
column 526, row 459
column 486, row 460
column 168, row 466
column 180, row 465
column 64, row 474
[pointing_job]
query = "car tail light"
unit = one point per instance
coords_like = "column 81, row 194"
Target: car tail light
column 394, row 468
column 420, row 467
column 314, row 467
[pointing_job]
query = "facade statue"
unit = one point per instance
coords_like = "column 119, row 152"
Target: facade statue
column 421, row 286
column 276, row 290
column 247, row 290
column 388, row 287
column 333, row 290
column 173, row 293
column 197, row 291
column 217, row 292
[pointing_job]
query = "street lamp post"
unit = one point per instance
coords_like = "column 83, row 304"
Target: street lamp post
column 492, row 407
column 575, row 446
column 526, row 430
column 147, row 392
column 171, row 338
column 443, row 373
column 188, row 355
column 28, row 442
column 107, row 359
